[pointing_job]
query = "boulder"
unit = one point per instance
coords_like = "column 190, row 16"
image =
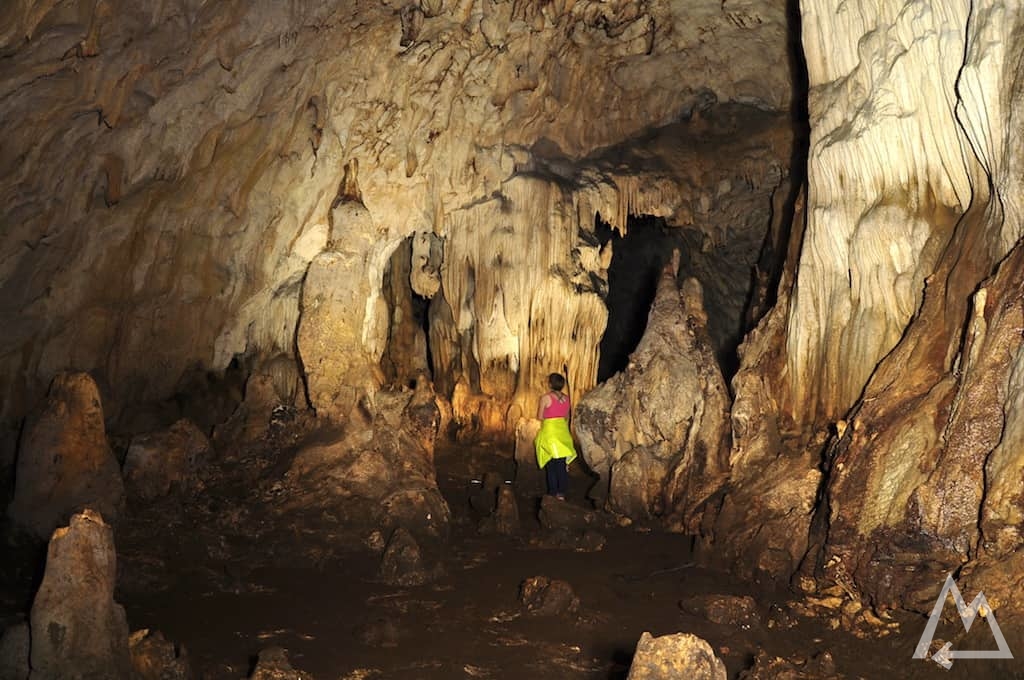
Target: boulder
column 671, row 657
column 272, row 664
column 78, row 632
column 64, row 462
column 14, row 651
column 156, row 658
column 160, row 462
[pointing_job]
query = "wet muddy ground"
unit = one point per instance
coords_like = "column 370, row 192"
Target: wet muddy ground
column 226, row 597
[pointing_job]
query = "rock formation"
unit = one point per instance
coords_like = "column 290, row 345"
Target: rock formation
column 158, row 462
column 657, row 433
column 375, row 476
column 78, row 632
column 232, row 138
column 381, row 194
column 64, row 460
column 893, row 421
column 675, row 656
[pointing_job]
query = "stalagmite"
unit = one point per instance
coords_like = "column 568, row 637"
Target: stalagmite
column 657, row 433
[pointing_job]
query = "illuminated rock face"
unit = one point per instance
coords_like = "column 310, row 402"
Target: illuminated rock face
column 170, row 171
column 658, row 432
column 899, row 330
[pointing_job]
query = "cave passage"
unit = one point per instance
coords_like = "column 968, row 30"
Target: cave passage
column 407, row 353
column 724, row 269
column 637, row 261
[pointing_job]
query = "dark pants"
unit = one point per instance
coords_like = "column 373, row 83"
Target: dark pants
column 558, row 477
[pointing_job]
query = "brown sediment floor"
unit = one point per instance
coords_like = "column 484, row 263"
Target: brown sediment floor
column 226, row 597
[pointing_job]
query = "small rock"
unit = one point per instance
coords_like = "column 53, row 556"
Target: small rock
column 548, row 597
column 272, row 664
column 673, row 657
column 726, row 610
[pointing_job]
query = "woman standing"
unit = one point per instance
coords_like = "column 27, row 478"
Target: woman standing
column 555, row 450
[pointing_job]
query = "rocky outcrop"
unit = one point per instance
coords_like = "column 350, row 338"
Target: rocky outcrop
column 78, row 632
column 875, row 407
column 373, row 476
column 64, row 461
column 925, row 465
column 658, row 433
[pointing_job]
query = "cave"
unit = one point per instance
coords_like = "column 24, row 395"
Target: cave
column 283, row 286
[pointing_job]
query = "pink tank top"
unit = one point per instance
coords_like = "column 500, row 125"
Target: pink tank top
column 557, row 409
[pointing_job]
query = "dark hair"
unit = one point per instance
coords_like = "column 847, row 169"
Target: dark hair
column 556, row 381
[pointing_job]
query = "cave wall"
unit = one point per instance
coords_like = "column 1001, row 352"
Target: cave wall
column 169, row 171
column 886, row 448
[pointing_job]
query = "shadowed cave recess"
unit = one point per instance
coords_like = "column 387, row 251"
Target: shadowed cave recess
column 282, row 285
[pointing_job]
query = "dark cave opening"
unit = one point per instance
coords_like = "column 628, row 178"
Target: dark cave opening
column 407, row 353
column 637, row 261
column 725, row 268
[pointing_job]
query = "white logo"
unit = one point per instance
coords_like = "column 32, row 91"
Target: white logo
column 944, row 657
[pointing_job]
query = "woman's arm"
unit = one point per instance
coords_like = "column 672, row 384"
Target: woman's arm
column 545, row 401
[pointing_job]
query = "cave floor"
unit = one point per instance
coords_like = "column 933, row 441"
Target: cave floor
column 227, row 597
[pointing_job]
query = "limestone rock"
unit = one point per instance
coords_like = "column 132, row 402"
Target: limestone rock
column 78, row 632
column 671, row 657
column 156, row 658
column 658, row 433
column 160, row 462
column 543, row 596
column 341, row 374
column 64, row 460
column 14, row 652
column 272, row 664
column 931, row 455
column 422, row 415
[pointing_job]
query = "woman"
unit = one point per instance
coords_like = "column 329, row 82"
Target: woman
column 555, row 450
